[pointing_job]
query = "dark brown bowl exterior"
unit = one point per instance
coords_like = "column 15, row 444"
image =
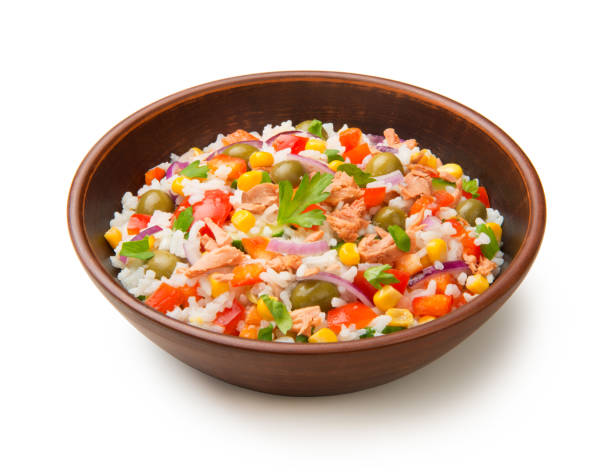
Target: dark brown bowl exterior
column 193, row 117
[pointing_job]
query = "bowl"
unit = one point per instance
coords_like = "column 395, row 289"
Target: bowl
column 193, row 117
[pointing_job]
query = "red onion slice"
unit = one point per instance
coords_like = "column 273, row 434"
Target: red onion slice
column 337, row 280
column 269, row 141
column 254, row 143
column 393, row 178
column 383, row 148
column 284, row 246
column 452, row 267
column 311, row 164
column 175, row 168
column 143, row 234
column 375, row 138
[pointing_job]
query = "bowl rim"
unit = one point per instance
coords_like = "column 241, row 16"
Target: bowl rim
column 507, row 281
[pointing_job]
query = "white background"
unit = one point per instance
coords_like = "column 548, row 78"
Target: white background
column 83, row 390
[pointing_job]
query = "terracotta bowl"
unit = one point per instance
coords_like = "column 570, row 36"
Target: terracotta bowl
column 193, row 117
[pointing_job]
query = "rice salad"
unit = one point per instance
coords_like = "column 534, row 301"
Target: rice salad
column 306, row 233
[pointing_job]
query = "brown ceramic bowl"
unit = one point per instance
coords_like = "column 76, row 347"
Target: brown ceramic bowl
column 193, row 117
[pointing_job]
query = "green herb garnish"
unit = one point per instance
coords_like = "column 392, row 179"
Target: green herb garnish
column 138, row 249
column 333, row 155
column 440, row 184
column 471, row 187
column 360, row 177
column 265, row 177
column 301, row 338
column 183, row 220
column 488, row 250
column 402, row 240
column 377, row 276
column 265, row 334
column 234, row 184
column 310, row 191
column 142, row 298
column 316, row 128
column 278, row 234
column 369, row 333
column 237, row 243
column 392, row 329
column 279, row 312
column 194, row 170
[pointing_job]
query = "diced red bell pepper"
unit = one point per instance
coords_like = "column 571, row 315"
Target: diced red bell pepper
column 352, row 313
column 358, row 153
column 432, row 305
column 296, row 143
column 374, row 196
column 215, row 205
column 369, row 290
column 155, row 173
column 137, row 223
column 469, row 247
column 237, row 165
column 230, row 317
column 350, row 138
column 247, row 274
column 483, row 196
column 166, row 298
column 238, row 136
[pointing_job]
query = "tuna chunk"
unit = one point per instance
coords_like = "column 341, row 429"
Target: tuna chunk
column 343, row 189
column 417, row 184
column 485, row 267
column 304, row 319
column 259, row 198
column 381, row 250
column 222, row 237
column 223, row 256
column 348, row 221
column 392, row 138
column 287, row 262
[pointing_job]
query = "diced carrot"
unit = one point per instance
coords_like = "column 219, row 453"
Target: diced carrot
column 432, row 305
column 252, row 316
column 156, row 173
column 237, row 165
column 256, row 247
column 374, row 196
column 443, row 198
column 247, row 274
column 424, row 202
column 442, row 280
column 189, row 291
column 358, row 153
column 166, row 298
column 249, row 332
column 237, row 136
column 352, row 313
column 350, row 138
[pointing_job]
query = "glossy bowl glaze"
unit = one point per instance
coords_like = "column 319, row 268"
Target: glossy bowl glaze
column 193, row 117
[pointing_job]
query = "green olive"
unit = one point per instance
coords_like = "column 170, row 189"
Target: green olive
column 313, row 292
column 162, row 263
column 472, row 209
column 241, row 150
column 384, row 163
column 388, row 216
column 287, row 170
column 154, row 200
column 304, row 125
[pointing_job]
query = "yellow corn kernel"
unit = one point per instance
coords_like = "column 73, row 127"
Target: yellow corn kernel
column 261, row 159
column 424, row 157
column 178, row 184
column 497, row 230
column 315, row 145
column 400, row 317
column 426, row 319
column 476, row 283
column 452, row 169
column 151, row 240
column 217, row 287
column 196, row 151
column 324, row 335
column 248, row 180
column 243, row 220
column 436, row 250
column 113, row 236
column 425, row 262
column 249, row 332
column 387, row 297
column 348, row 254
column 263, row 311
column 333, row 165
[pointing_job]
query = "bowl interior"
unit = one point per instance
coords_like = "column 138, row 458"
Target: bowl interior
column 195, row 117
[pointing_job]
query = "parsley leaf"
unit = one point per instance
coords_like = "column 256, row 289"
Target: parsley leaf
column 369, row 333
column 183, row 220
column 315, row 128
column 194, row 170
column 300, row 338
column 470, row 186
column 376, row 276
column 392, row 329
column 138, row 249
column 265, row 334
column 278, row 234
column 309, row 192
column 333, row 155
column 279, row 312
column 402, row 240
column 488, row 250
column 265, row 177
column 360, row 177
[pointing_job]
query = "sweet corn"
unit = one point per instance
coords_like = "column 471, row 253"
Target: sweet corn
column 400, row 317
column 196, row 150
column 261, row 159
column 452, row 169
column 387, row 297
column 217, row 287
column 426, row 319
column 425, row 262
column 248, row 180
column 436, row 250
column 113, row 236
column 333, row 165
column 263, row 311
column 151, row 240
column 324, row 335
column 348, row 254
column 243, row 220
column 477, row 283
column 249, row 332
column 497, row 230
column 425, row 157
column 178, row 184
column 315, row 145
